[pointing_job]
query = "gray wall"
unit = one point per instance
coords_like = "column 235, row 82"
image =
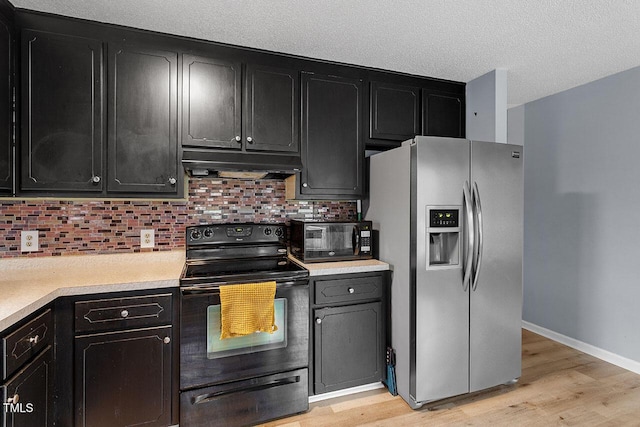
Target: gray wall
column 582, row 207
column 486, row 107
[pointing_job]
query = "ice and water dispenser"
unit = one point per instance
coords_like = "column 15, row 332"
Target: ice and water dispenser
column 443, row 236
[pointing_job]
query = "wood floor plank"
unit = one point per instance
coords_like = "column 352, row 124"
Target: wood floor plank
column 560, row 386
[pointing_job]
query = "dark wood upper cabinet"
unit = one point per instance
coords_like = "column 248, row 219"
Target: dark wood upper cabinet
column 332, row 147
column 394, row 111
column 443, row 114
column 271, row 109
column 62, row 111
column 143, row 104
column 211, row 110
column 402, row 107
column 257, row 110
column 6, row 102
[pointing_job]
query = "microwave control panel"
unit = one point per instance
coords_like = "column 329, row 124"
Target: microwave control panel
column 365, row 239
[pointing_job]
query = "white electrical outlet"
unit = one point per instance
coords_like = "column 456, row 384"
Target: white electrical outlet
column 147, row 238
column 29, row 241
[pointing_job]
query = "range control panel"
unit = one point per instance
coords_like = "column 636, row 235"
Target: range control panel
column 445, row 218
column 234, row 233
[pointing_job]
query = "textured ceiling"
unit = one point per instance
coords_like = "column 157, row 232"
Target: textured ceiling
column 547, row 46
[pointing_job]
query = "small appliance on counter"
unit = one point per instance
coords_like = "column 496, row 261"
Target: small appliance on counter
column 321, row 241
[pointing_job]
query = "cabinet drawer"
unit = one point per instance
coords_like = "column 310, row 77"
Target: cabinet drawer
column 120, row 313
column 21, row 345
column 348, row 290
column 246, row 402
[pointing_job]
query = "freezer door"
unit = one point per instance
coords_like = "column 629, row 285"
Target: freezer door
column 496, row 297
column 440, row 351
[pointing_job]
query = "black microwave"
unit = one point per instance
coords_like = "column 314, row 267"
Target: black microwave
column 320, row 241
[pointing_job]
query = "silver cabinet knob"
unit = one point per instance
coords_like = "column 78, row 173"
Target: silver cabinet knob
column 14, row 399
column 238, row 139
column 351, row 290
column 172, row 181
column 95, row 179
column 250, row 140
column 305, row 185
column 34, row 340
column 318, row 320
column 166, row 340
column 124, row 313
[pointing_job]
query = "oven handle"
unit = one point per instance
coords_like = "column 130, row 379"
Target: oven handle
column 209, row 397
column 215, row 289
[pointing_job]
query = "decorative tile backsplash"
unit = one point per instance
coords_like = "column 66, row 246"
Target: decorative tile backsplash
column 67, row 227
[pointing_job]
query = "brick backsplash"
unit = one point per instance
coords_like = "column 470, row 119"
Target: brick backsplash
column 68, row 227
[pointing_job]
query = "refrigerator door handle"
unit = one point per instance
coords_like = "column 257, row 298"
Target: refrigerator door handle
column 478, row 255
column 468, row 254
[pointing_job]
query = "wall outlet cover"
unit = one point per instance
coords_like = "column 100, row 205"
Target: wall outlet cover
column 147, row 238
column 29, row 241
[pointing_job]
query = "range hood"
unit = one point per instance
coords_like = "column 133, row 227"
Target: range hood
column 207, row 163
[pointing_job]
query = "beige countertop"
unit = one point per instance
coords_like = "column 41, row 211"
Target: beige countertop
column 342, row 267
column 27, row 284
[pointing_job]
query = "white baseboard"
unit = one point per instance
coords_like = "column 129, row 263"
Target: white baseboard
column 345, row 392
column 592, row 350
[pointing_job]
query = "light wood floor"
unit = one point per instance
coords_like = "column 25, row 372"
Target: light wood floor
column 559, row 386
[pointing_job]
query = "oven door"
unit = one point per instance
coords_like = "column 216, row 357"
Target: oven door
column 206, row 360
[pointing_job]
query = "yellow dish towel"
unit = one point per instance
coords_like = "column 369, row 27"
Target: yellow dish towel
column 247, row 308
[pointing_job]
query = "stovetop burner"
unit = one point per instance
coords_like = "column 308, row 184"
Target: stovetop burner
column 238, row 253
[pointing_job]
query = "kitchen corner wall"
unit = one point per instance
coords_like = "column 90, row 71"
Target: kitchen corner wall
column 92, row 226
column 581, row 203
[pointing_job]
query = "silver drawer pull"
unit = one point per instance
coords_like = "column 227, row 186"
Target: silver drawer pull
column 166, row 340
column 124, row 313
column 14, row 399
column 351, row 290
column 34, row 340
column 318, row 320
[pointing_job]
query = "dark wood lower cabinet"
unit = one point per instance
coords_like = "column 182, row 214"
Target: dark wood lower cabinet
column 348, row 330
column 31, row 390
column 348, row 343
column 123, row 378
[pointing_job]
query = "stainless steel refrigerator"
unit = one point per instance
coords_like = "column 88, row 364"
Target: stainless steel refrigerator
column 449, row 214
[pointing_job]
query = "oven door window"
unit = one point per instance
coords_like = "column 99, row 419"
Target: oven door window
column 258, row 341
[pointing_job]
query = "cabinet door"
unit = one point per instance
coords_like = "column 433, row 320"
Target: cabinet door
column 211, row 112
column 332, row 147
column 442, row 114
column 394, row 111
column 6, row 103
column 31, row 387
column 271, row 115
column 348, row 346
column 143, row 139
column 123, row 378
column 62, row 131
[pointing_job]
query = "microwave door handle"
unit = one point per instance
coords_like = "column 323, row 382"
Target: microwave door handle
column 355, row 238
